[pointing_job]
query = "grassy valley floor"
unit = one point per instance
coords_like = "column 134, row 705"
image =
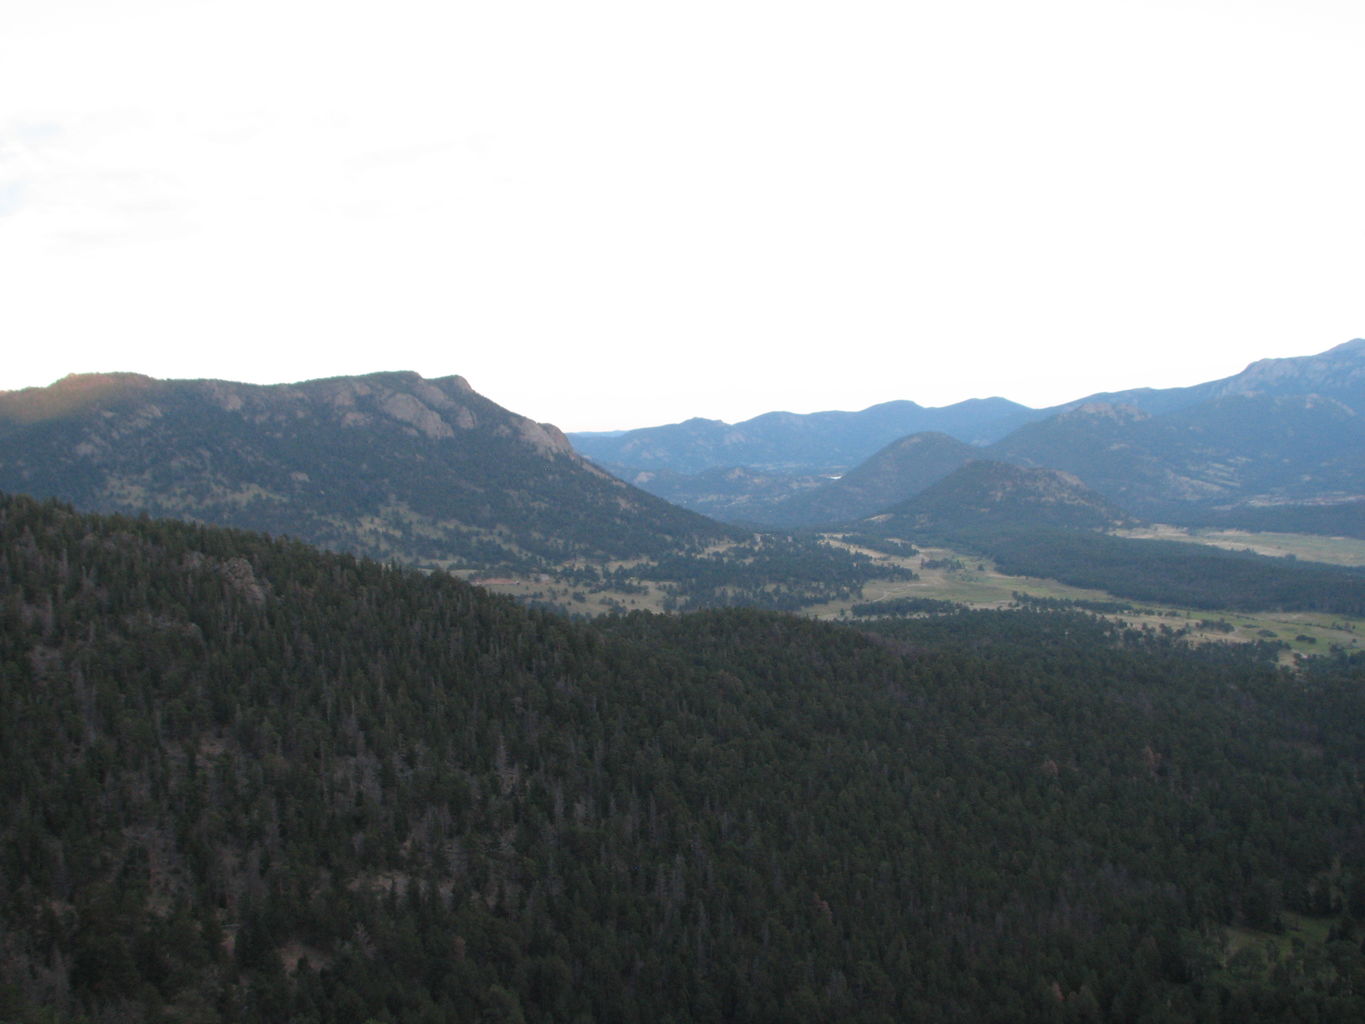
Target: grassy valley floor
column 947, row 574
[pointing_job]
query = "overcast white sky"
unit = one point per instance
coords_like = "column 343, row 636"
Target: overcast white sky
column 616, row 214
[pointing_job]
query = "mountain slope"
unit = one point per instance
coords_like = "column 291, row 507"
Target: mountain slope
column 245, row 781
column 389, row 464
column 1338, row 373
column 1234, row 449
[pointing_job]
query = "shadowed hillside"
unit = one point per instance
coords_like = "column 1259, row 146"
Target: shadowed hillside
column 389, row 465
column 248, row 781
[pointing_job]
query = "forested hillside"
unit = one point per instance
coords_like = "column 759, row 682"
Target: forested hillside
column 248, row 781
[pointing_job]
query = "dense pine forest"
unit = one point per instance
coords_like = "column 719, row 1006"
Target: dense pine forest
column 244, row 780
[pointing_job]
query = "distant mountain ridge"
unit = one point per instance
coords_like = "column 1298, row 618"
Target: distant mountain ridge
column 816, row 442
column 1338, row 372
column 388, row 464
column 1285, row 434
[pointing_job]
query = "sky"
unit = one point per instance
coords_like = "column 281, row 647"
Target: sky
column 617, row 214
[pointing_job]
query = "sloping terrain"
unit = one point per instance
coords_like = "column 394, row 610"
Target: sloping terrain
column 247, row 781
column 1339, row 373
column 1234, row 450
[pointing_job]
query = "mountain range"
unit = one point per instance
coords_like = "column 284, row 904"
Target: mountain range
column 429, row 472
column 819, row 442
column 1282, row 443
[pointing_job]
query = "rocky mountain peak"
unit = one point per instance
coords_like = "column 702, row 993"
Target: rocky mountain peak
column 1338, row 369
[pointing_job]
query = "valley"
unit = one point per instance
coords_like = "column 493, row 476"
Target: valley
column 980, row 585
column 1349, row 551
column 723, row 513
column 959, row 577
column 431, row 473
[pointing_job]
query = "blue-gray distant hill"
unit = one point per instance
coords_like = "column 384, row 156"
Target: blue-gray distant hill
column 1257, row 451
column 984, row 493
column 1281, row 444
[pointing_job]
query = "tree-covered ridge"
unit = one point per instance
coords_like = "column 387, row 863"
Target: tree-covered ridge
column 798, row 443
column 244, row 780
